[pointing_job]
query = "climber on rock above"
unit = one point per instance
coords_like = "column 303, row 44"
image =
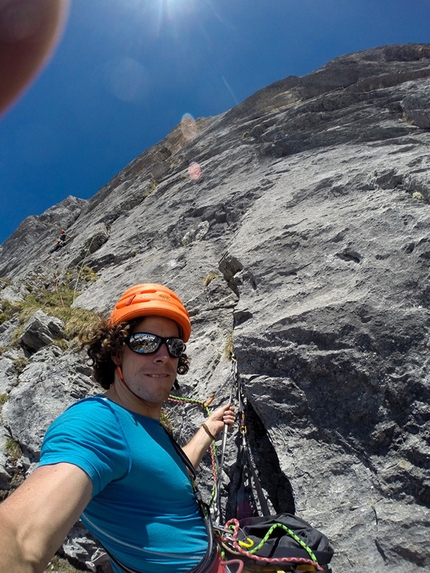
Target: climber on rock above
column 108, row 459
column 61, row 241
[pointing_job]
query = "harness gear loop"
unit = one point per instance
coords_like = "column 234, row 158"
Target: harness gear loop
column 247, row 544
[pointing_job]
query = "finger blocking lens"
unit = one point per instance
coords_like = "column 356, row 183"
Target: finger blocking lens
column 146, row 343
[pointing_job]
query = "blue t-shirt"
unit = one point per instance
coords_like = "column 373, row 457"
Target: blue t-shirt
column 143, row 508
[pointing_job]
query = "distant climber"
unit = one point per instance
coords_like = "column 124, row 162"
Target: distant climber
column 61, row 241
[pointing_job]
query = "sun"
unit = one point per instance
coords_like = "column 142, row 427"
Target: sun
column 172, row 10
column 177, row 18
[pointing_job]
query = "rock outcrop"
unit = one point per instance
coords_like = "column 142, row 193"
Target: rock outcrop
column 304, row 247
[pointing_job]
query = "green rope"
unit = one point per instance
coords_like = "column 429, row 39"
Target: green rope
column 291, row 534
column 191, row 401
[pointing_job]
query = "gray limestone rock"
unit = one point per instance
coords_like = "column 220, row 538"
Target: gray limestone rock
column 4, row 475
column 7, row 331
column 7, row 375
column 51, row 382
column 41, row 330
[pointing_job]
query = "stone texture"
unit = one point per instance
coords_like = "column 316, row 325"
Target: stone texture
column 52, row 381
column 41, row 330
column 7, row 331
column 304, row 246
column 4, row 475
column 7, row 371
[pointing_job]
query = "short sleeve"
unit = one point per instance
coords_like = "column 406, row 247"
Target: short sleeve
column 90, row 436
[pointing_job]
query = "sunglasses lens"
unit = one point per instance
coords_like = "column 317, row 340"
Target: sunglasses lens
column 176, row 347
column 144, row 343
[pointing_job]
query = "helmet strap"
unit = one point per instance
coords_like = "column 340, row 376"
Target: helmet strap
column 120, row 374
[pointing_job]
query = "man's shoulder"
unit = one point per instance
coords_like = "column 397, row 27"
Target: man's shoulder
column 93, row 410
column 89, row 404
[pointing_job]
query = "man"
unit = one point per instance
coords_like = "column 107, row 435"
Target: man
column 108, row 458
column 61, row 241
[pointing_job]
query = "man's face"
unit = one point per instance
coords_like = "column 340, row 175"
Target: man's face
column 151, row 376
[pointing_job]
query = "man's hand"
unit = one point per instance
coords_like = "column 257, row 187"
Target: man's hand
column 225, row 415
column 198, row 445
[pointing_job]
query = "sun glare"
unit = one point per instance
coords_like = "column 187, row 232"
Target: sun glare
column 177, row 16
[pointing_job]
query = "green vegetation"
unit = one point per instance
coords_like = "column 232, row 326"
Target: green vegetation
column 3, row 399
column 4, row 282
column 13, row 450
column 152, row 187
column 86, row 274
column 60, row 565
column 210, row 277
column 229, row 346
column 419, row 196
column 8, row 310
column 55, row 300
column 20, row 363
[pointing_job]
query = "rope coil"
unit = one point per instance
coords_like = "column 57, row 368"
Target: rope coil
column 233, row 545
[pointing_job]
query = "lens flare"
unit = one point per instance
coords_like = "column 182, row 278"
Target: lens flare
column 194, row 171
column 188, row 127
column 127, row 79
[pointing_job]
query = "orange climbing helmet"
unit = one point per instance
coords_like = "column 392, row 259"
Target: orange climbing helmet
column 151, row 299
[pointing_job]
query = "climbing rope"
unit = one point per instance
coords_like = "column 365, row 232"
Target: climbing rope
column 231, row 543
column 213, row 449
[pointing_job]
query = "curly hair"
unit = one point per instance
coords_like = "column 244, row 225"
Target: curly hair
column 107, row 340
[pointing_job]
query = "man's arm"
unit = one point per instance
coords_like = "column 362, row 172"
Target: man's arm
column 200, row 442
column 36, row 518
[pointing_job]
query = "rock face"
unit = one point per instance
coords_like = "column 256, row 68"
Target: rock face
column 41, row 330
column 304, row 246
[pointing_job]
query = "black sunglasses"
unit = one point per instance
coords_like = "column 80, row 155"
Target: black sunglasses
column 146, row 343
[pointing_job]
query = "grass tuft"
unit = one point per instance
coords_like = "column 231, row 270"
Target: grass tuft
column 55, row 301
column 13, row 450
column 210, row 277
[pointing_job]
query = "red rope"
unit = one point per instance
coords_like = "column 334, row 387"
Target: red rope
column 234, row 523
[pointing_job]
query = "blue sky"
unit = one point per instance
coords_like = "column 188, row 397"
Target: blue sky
column 126, row 72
